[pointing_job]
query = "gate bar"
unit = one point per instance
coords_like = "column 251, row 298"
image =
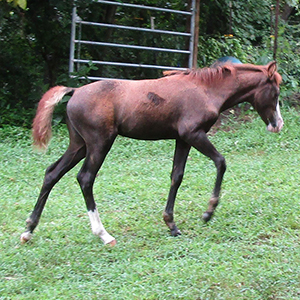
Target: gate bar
column 145, row 7
column 72, row 44
column 77, row 20
column 134, row 28
column 110, row 63
column 132, row 46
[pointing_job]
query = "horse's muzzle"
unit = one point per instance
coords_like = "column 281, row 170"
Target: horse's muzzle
column 276, row 122
column 275, row 126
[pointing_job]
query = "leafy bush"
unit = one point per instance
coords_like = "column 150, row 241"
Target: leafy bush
column 287, row 56
column 211, row 48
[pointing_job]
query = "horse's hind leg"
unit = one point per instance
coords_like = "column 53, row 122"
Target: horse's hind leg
column 75, row 152
column 96, row 153
column 181, row 153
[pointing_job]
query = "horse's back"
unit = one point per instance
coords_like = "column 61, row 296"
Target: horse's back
column 142, row 109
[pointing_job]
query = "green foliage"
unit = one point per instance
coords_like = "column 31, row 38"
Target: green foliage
column 289, row 59
column 20, row 3
column 249, row 250
column 251, row 20
column 251, row 39
column 210, row 49
column 19, row 116
column 32, row 42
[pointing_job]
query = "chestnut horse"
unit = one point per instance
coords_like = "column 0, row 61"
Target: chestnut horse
column 182, row 105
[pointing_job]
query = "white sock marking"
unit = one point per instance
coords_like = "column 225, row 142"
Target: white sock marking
column 98, row 228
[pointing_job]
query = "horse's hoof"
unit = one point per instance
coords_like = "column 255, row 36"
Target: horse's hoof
column 206, row 216
column 175, row 232
column 25, row 237
column 112, row 243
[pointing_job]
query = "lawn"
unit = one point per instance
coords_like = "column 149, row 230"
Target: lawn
column 249, row 250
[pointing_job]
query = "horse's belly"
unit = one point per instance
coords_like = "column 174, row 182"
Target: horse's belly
column 148, row 131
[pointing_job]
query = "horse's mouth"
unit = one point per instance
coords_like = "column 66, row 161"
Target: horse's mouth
column 275, row 125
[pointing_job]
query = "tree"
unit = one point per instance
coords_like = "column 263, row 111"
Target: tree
column 35, row 47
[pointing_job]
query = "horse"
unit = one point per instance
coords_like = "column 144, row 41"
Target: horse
column 181, row 105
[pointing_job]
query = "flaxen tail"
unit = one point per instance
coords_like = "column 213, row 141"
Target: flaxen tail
column 41, row 127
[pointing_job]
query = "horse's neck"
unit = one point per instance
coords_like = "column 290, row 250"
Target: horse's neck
column 242, row 90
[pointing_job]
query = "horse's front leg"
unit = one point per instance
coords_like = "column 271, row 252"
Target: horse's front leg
column 200, row 141
column 96, row 152
column 180, row 156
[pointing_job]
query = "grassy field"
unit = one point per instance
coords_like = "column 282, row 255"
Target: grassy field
column 249, row 250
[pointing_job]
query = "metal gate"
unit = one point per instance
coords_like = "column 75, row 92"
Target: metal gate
column 76, row 40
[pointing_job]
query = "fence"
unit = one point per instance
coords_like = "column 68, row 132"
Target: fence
column 77, row 41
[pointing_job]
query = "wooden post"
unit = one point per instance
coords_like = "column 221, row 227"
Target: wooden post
column 196, row 34
column 276, row 30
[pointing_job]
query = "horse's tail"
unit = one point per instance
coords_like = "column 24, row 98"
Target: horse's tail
column 41, row 127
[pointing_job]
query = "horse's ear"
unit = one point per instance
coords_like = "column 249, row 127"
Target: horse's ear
column 271, row 68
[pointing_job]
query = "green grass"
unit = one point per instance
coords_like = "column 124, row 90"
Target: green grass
column 249, row 250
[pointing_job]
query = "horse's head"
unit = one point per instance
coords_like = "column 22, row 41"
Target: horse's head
column 266, row 98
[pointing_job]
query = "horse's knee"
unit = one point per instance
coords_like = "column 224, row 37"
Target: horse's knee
column 51, row 177
column 176, row 178
column 221, row 164
column 86, row 185
column 49, row 181
column 82, row 180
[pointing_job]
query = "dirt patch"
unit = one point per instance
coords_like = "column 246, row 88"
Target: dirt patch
column 238, row 113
